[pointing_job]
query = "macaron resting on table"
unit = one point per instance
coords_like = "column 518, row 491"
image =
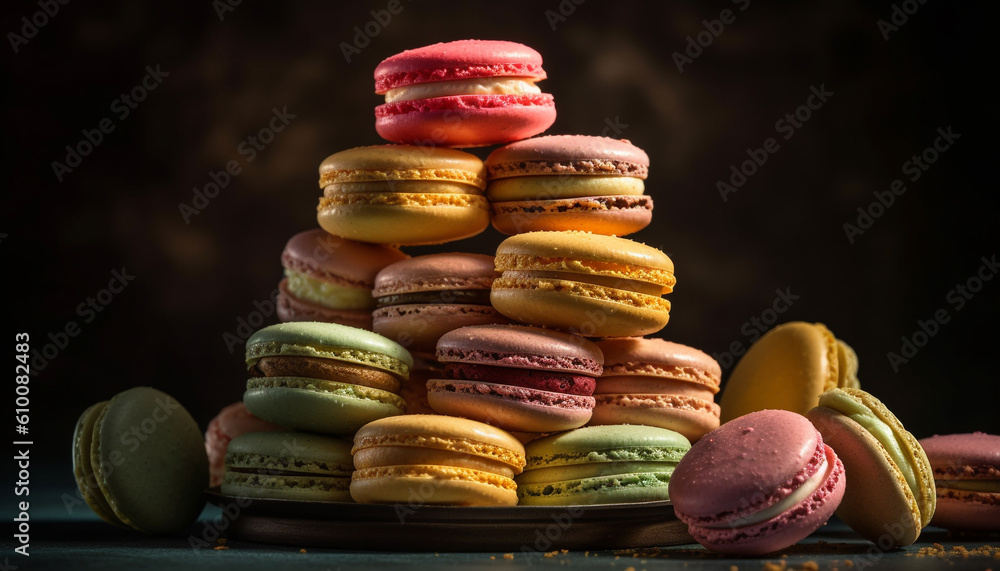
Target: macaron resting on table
column 600, row 465
column 140, row 462
column 517, row 377
column 422, row 298
column 439, row 460
column 890, row 493
column 464, row 93
column 758, row 484
column 403, row 195
column 289, row 465
column 657, row 383
column 967, row 478
column 329, row 278
column 788, row 368
column 569, row 182
column 232, row 421
column 589, row 284
column 324, row 377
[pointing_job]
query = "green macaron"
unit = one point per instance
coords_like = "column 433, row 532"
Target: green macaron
column 609, row 464
column 324, row 377
column 289, row 465
column 140, row 461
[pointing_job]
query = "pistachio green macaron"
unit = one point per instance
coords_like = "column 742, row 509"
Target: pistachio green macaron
column 323, row 377
column 140, row 461
column 289, row 465
column 610, row 464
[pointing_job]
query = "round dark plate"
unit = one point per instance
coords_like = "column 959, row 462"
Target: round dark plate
column 415, row 527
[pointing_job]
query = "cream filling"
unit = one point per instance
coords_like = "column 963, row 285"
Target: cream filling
column 882, row 432
column 555, row 187
column 478, row 86
column 791, row 500
column 605, row 281
column 327, row 294
column 988, row 486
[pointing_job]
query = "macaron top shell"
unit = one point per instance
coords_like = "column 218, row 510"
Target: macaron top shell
column 586, row 253
column 522, row 347
column 331, row 341
column 402, row 163
column 638, row 356
column 568, row 154
column 609, row 443
column 338, row 259
column 753, row 461
column 435, row 272
column 974, row 455
column 441, row 432
column 462, row 59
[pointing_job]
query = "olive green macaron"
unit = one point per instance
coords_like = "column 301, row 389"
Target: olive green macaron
column 289, row 465
column 610, row 464
column 140, row 461
column 323, row 377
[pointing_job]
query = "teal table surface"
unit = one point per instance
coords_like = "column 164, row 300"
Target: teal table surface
column 67, row 536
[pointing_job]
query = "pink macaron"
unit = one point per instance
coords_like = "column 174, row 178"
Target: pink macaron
column 516, row 377
column 657, row 383
column 420, row 299
column 329, row 278
column 232, row 421
column 465, row 93
column 757, row 484
column 967, row 478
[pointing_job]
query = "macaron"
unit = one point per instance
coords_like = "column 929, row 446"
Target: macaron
column 420, row 459
column 465, row 93
column 324, row 377
column 520, row 378
column 420, row 299
column 589, row 284
column 657, row 383
column 788, row 368
column 569, row 182
column 329, row 278
column 232, row 421
column 289, row 465
column 967, row 477
column 600, row 465
column 140, row 462
column 758, row 484
column 403, row 194
column 890, row 496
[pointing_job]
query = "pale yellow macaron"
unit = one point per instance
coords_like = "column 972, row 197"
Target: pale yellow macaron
column 890, row 494
column 403, row 195
column 788, row 368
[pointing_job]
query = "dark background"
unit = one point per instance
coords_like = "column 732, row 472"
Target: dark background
column 608, row 64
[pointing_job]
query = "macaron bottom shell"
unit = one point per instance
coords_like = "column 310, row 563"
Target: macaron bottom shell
column 509, row 407
column 465, row 120
column 967, row 511
column 287, row 487
column 404, row 218
column 610, row 215
column 315, row 405
column 432, row 485
column 291, row 308
column 691, row 419
column 617, row 483
column 419, row 326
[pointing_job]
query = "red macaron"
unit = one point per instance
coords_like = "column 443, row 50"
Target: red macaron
column 465, row 93
column 516, row 377
column 757, row 484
